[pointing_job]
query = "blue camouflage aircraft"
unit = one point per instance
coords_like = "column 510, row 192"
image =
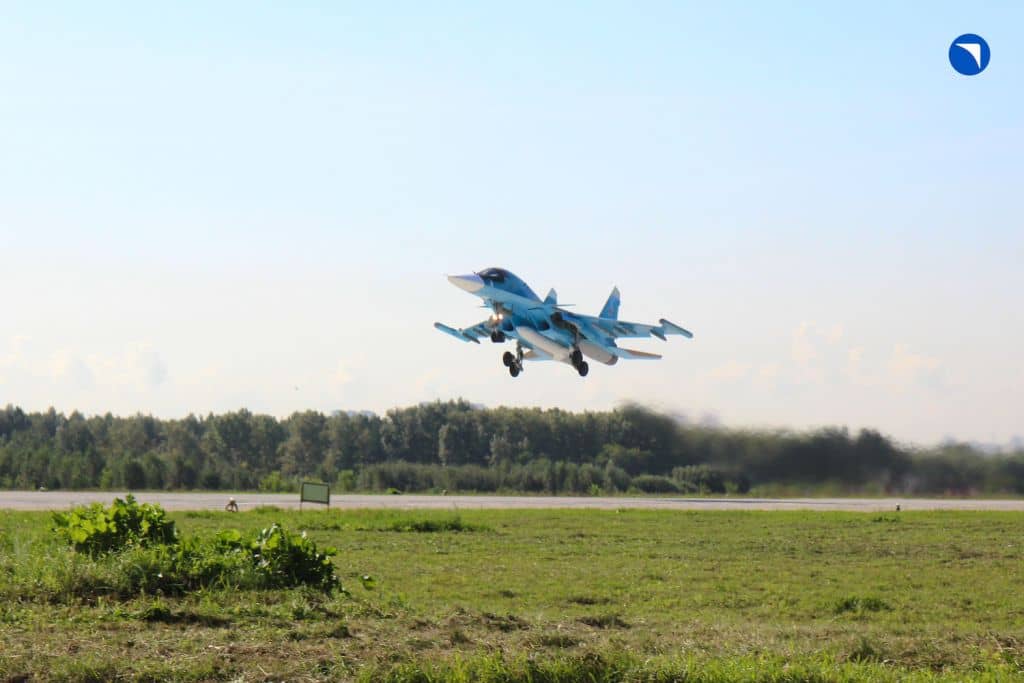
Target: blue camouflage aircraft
column 543, row 330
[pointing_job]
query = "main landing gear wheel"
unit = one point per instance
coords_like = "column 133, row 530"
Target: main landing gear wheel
column 576, row 358
column 514, row 362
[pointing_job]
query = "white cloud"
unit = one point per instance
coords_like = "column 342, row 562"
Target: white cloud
column 342, row 374
column 35, row 373
column 730, row 371
column 767, row 375
column 69, row 370
column 908, row 367
column 818, row 357
column 139, row 368
column 150, row 369
column 816, row 353
column 14, row 352
column 431, row 383
column 854, row 370
column 802, row 350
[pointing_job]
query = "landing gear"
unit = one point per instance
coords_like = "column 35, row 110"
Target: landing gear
column 497, row 336
column 513, row 361
column 576, row 358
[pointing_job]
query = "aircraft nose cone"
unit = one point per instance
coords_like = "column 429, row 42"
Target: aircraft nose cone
column 470, row 283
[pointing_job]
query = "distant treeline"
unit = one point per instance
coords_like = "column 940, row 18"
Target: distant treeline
column 458, row 447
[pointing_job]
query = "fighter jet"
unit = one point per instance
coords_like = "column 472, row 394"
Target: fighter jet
column 544, row 330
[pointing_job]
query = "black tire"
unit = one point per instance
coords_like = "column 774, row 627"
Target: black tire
column 509, row 359
column 583, row 368
column 497, row 336
column 576, row 357
column 513, row 370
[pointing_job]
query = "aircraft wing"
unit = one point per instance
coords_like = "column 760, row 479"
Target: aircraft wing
column 608, row 329
column 468, row 334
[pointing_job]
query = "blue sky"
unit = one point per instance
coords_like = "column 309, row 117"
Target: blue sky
column 205, row 207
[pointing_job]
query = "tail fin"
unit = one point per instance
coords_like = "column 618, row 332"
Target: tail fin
column 552, row 297
column 611, row 307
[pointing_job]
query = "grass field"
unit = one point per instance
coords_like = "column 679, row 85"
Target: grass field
column 546, row 596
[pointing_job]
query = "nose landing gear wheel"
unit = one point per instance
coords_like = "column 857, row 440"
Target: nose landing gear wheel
column 583, row 368
column 497, row 336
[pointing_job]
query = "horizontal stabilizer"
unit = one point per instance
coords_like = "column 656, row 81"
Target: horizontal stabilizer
column 672, row 328
column 458, row 334
column 631, row 354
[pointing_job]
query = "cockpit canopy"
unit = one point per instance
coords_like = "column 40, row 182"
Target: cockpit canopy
column 494, row 275
column 509, row 282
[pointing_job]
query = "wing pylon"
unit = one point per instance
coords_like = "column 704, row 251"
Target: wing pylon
column 468, row 334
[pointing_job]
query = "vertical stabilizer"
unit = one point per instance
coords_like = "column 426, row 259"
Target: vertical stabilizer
column 611, row 307
column 552, row 297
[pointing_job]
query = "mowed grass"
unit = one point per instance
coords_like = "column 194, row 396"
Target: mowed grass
column 536, row 595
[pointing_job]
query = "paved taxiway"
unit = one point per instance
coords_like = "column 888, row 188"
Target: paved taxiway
column 59, row 500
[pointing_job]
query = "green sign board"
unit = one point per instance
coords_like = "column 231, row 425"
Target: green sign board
column 315, row 493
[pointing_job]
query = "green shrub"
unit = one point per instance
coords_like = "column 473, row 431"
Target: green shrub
column 271, row 559
column 699, row 479
column 346, row 480
column 136, row 549
column 653, row 483
column 97, row 529
column 201, row 563
column 281, row 559
column 275, row 483
column 292, row 559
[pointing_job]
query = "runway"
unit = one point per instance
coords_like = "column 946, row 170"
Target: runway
column 60, row 500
